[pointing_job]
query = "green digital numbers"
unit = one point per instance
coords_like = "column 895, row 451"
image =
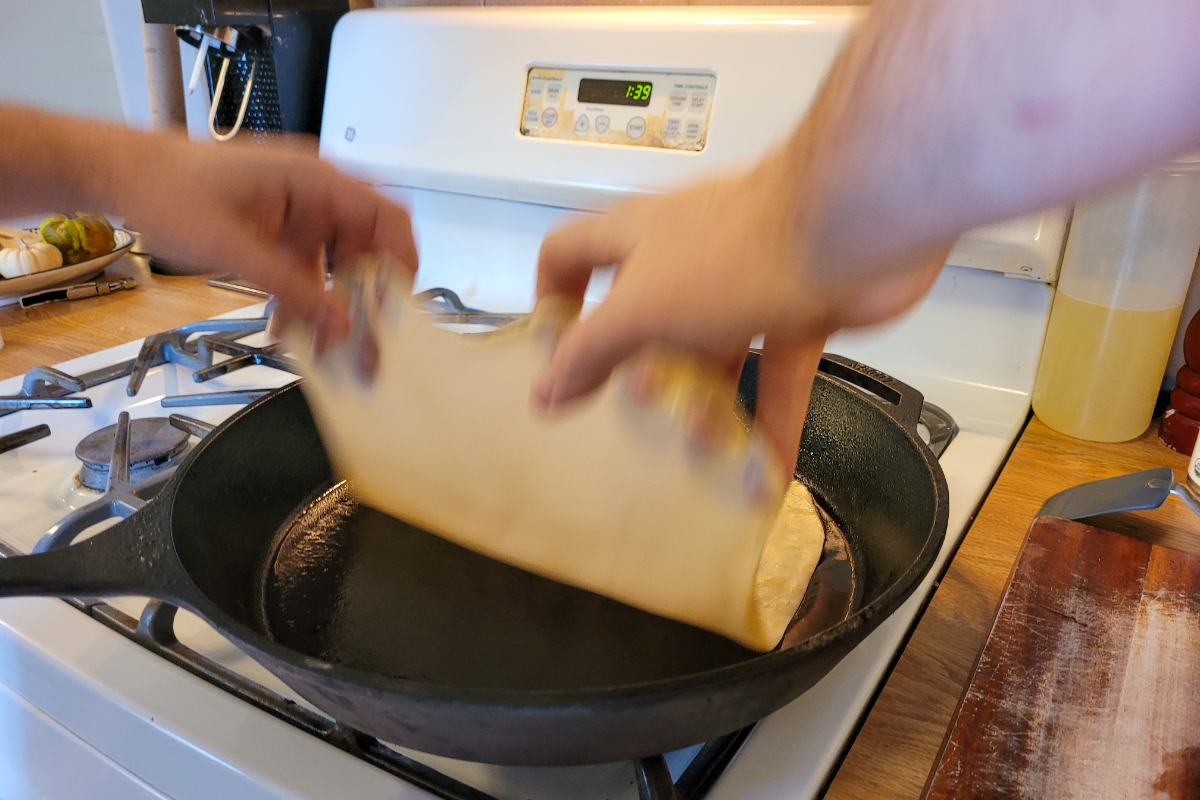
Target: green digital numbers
column 638, row 91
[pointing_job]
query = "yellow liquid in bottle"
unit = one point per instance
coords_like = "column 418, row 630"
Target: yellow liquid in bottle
column 1102, row 367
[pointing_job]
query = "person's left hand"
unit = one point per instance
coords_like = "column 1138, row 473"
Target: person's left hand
column 270, row 214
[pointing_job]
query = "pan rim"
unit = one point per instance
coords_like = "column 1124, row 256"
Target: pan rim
column 859, row 623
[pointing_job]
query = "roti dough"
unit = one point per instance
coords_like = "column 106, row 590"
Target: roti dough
column 607, row 496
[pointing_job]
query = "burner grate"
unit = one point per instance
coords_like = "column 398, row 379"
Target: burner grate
column 49, row 388
column 21, row 438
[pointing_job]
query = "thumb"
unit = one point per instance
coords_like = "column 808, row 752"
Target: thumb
column 591, row 348
column 785, row 378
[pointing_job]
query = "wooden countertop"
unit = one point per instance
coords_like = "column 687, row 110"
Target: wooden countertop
column 56, row 332
column 892, row 755
column 897, row 746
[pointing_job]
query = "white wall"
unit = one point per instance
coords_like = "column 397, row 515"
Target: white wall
column 55, row 53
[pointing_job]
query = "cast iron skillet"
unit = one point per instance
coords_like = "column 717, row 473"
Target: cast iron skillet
column 405, row 637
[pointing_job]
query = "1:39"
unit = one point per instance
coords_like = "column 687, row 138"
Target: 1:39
column 638, row 91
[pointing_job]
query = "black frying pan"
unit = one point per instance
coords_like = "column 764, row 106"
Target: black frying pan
column 416, row 641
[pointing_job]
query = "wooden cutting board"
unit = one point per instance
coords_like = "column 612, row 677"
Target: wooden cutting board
column 1088, row 685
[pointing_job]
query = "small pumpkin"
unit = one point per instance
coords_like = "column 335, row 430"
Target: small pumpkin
column 26, row 259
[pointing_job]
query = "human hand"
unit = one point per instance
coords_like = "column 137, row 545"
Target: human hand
column 705, row 270
column 271, row 214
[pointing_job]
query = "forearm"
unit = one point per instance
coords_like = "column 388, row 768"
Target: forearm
column 945, row 114
column 50, row 162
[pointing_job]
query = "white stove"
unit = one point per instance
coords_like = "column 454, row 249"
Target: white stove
column 436, row 108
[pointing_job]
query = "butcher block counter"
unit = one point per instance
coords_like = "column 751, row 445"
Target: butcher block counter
column 55, row 332
column 901, row 737
column 900, row 740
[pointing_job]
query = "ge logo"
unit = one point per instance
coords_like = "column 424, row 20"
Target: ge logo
column 349, row 134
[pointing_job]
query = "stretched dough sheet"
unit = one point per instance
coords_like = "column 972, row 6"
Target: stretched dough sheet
column 607, row 497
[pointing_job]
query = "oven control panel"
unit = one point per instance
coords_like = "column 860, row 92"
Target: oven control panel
column 639, row 109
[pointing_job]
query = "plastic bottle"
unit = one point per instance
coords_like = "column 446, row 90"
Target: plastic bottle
column 1125, row 273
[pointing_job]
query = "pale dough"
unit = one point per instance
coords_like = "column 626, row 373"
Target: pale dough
column 606, row 497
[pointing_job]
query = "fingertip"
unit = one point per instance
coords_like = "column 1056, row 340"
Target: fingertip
column 569, row 254
column 785, row 378
column 332, row 317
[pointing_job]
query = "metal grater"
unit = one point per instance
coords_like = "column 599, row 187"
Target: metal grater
column 263, row 112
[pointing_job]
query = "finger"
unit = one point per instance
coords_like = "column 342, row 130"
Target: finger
column 328, row 210
column 569, row 254
column 785, row 377
column 591, row 348
column 367, row 222
column 731, row 365
column 297, row 283
column 394, row 233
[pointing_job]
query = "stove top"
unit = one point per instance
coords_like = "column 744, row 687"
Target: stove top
column 156, row 694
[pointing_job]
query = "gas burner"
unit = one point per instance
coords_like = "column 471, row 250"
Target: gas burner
column 122, row 494
column 154, row 445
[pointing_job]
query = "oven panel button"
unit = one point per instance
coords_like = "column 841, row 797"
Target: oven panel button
column 677, row 100
column 671, row 128
column 635, row 128
column 531, row 117
column 601, row 123
column 693, row 129
column 549, row 117
column 581, row 124
column 699, row 102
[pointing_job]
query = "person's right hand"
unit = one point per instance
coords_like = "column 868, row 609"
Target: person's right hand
column 705, row 270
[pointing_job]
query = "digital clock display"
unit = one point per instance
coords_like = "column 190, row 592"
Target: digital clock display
column 616, row 93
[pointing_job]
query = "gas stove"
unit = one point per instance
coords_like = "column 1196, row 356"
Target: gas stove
column 128, row 699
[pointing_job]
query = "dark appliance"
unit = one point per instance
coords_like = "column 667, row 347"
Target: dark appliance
column 265, row 60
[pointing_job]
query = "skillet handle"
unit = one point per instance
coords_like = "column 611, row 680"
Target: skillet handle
column 898, row 400
column 133, row 557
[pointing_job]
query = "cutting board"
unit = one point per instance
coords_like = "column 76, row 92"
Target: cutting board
column 1088, row 685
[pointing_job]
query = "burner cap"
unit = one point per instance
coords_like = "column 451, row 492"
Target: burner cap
column 155, row 445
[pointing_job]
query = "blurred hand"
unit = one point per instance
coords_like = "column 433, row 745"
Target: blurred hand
column 270, row 214
column 706, row 269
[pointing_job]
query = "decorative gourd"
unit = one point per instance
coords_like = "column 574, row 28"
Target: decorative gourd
column 86, row 236
column 26, row 259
